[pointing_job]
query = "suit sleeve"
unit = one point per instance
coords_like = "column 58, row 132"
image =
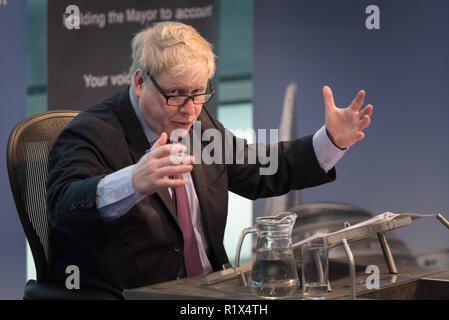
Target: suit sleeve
column 78, row 160
column 252, row 172
column 297, row 168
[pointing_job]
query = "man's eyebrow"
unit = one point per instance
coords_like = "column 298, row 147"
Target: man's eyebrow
column 175, row 88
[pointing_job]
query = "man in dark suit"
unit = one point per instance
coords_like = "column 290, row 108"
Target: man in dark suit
column 129, row 209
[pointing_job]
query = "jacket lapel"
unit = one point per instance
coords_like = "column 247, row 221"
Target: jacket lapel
column 202, row 174
column 138, row 142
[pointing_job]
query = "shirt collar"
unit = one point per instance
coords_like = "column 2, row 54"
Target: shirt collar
column 150, row 134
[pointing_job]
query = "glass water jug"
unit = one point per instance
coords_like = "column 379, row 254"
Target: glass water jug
column 273, row 274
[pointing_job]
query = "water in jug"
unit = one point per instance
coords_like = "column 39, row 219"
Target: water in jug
column 273, row 274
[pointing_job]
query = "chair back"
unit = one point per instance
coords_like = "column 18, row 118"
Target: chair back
column 29, row 145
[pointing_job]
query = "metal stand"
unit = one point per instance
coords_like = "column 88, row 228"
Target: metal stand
column 387, row 253
column 242, row 279
column 350, row 257
column 443, row 220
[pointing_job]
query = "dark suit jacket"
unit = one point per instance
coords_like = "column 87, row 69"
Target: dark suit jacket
column 145, row 245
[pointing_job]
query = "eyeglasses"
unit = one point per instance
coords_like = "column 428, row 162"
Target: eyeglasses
column 180, row 100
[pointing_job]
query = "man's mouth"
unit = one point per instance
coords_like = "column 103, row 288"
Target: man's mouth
column 183, row 123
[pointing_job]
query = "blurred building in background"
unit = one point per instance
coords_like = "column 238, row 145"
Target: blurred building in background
column 435, row 259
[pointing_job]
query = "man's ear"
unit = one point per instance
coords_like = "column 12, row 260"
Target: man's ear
column 138, row 83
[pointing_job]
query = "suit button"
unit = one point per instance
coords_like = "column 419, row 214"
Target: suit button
column 177, row 248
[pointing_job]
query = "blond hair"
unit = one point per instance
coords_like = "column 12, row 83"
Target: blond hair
column 172, row 47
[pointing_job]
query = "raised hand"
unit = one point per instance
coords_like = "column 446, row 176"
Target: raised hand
column 345, row 125
column 152, row 171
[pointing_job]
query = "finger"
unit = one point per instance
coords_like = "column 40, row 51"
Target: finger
column 167, row 149
column 174, row 170
column 357, row 103
column 161, row 141
column 176, row 159
column 328, row 97
column 359, row 136
column 171, row 161
column 367, row 111
column 170, row 183
column 173, row 183
column 365, row 122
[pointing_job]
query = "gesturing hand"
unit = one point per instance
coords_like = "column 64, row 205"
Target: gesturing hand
column 154, row 168
column 345, row 125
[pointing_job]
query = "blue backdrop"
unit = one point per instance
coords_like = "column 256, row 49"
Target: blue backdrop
column 402, row 165
column 13, row 32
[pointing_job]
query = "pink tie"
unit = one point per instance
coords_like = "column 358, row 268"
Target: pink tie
column 192, row 260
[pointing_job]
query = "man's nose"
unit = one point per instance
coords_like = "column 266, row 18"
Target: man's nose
column 188, row 107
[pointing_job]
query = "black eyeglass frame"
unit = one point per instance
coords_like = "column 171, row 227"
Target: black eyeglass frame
column 187, row 97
